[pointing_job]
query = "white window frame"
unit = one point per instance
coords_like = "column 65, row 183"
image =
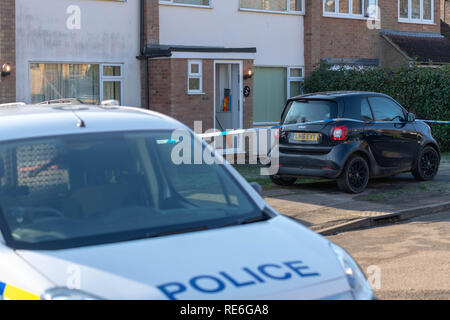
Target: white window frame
column 104, row 78
column 101, row 77
column 287, row 11
column 350, row 15
column 293, row 79
column 172, row 3
column 198, row 75
column 421, row 20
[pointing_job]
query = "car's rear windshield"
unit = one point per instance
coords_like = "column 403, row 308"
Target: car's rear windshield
column 80, row 190
column 300, row 111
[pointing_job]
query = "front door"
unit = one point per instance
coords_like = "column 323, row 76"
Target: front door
column 228, row 104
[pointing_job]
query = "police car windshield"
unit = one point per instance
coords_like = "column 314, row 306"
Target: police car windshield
column 80, row 190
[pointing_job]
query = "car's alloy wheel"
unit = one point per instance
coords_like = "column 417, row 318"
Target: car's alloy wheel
column 283, row 181
column 427, row 164
column 355, row 176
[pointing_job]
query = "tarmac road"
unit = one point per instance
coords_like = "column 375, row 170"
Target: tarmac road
column 413, row 256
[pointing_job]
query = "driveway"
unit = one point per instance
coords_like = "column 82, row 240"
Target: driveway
column 320, row 205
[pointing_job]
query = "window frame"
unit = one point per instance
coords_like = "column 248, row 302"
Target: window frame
column 290, row 79
column 198, row 75
column 101, row 78
column 403, row 110
column 172, row 3
column 287, row 11
column 421, row 20
column 350, row 15
column 104, row 79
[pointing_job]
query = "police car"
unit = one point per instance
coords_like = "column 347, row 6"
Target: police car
column 93, row 206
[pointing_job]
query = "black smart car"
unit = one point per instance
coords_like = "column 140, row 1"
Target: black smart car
column 353, row 136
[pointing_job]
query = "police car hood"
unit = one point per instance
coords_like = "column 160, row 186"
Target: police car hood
column 274, row 259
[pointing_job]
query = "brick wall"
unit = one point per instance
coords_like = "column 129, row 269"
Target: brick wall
column 327, row 37
column 391, row 57
column 168, row 92
column 151, row 21
column 389, row 18
column 7, row 50
column 445, row 18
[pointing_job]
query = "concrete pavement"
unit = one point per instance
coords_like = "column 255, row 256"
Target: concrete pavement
column 413, row 256
column 322, row 206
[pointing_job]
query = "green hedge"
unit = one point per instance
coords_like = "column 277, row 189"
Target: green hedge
column 422, row 90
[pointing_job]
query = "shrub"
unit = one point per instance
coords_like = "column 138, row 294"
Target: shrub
column 422, row 90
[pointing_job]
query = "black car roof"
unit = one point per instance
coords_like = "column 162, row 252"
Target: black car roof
column 332, row 95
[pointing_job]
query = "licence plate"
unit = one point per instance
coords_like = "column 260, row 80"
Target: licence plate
column 307, row 137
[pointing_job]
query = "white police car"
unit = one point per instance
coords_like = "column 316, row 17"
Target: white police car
column 93, row 207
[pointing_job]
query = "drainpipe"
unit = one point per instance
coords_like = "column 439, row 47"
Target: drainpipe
column 142, row 53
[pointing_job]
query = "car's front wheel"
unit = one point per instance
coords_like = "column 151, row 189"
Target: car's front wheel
column 355, row 176
column 283, row 181
column 427, row 164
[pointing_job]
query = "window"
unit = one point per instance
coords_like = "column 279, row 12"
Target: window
column 295, row 82
column 89, row 83
column 58, row 81
column 385, row 109
column 200, row 3
column 295, row 6
column 309, row 110
column 416, row 11
column 112, row 83
column 80, row 190
column 366, row 112
column 350, row 8
column 195, row 84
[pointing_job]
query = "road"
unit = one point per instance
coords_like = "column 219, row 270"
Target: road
column 413, row 256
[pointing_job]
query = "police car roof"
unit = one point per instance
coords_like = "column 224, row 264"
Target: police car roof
column 19, row 121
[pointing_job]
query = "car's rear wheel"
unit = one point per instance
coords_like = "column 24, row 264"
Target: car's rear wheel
column 427, row 164
column 283, row 181
column 355, row 175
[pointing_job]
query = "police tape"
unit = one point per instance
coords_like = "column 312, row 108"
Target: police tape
column 10, row 292
column 436, row 121
column 241, row 131
column 293, row 125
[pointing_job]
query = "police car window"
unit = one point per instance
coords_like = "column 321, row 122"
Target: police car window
column 385, row 109
column 78, row 190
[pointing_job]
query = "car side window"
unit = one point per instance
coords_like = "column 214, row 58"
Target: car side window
column 385, row 109
column 366, row 112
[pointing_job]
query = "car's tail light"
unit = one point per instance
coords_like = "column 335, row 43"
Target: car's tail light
column 339, row 133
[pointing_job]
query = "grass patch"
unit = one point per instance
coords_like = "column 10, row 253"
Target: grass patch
column 445, row 156
column 252, row 173
column 429, row 186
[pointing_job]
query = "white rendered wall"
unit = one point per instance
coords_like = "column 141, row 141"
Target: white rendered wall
column 277, row 37
column 109, row 33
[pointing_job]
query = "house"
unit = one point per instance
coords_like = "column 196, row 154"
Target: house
column 71, row 48
column 231, row 64
column 365, row 33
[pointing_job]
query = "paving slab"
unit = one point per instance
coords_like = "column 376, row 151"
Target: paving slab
column 322, row 206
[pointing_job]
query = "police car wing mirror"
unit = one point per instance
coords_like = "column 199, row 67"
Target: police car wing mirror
column 257, row 187
column 411, row 117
